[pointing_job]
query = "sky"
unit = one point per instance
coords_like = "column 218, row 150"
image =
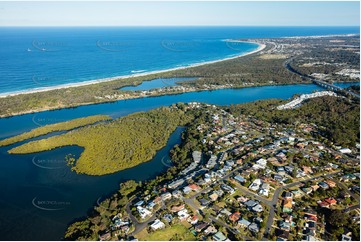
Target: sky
column 180, row 13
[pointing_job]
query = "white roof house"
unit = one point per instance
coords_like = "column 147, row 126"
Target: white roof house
column 258, row 208
column 197, row 156
column 143, row 212
column 345, row 151
column 157, row 225
column 183, row 214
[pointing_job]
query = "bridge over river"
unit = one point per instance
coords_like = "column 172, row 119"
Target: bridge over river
column 332, row 87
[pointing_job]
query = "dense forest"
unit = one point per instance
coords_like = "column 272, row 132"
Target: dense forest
column 338, row 119
column 64, row 126
column 115, row 145
column 246, row 70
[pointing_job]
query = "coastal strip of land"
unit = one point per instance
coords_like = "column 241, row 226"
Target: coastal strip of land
column 63, row 126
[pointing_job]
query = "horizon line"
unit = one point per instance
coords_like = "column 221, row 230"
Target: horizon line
column 180, row 26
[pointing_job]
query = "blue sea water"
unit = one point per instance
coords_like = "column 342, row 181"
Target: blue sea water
column 36, row 57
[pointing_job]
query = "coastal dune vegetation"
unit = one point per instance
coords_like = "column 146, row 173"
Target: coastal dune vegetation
column 63, row 126
column 116, row 145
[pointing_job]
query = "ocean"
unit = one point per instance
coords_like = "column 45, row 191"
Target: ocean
column 38, row 57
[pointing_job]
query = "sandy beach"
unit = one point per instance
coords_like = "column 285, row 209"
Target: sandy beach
column 85, row 83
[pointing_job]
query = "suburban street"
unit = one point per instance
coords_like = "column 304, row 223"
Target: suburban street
column 277, row 194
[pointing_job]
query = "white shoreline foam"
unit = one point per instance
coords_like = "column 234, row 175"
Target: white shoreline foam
column 85, row 83
column 320, row 36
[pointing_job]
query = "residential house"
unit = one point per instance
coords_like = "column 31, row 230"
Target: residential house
column 260, row 164
column 183, row 214
column 166, row 196
column 139, row 203
column 187, row 190
column 263, row 192
column 255, row 185
column 193, row 220
column 315, row 187
column 331, row 183
column 251, row 203
column 278, row 177
column 200, row 226
column 240, row 179
column 258, row 208
column 151, row 205
column 210, row 230
column 212, row 162
column 289, row 169
column 297, row 193
column 307, row 170
column 227, row 188
column 105, row 236
column 204, row 202
column 323, row 204
column 175, row 209
column 177, row 194
column 230, row 163
column 242, row 199
column 311, row 225
column 168, row 217
column 346, row 238
column 244, row 223
column 285, row 225
column 331, row 201
column 213, row 196
column 283, row 234
column 281, row 156
column 219, row 236
column 157, row 225
column 234, row 217
column 176, row 184
column 197, row 155
column 287, row 195
column 225, row 212
column 143, row 212
column 280, row 170
column 323, row 185
column 287, row 205
column 220, row 193
column 345, row 151
column 157, row 200
column 253, row 227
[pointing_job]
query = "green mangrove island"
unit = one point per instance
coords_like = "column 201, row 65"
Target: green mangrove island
column 115, row 145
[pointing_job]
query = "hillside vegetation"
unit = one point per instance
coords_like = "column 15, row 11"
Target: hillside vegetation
column 64, row 126
column 337, row 118
column 116, row 145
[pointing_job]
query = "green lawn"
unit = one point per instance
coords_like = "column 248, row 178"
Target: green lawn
column 166, row 234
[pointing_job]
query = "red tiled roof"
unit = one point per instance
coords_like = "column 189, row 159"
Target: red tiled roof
column 331, row 201
column 235, row 216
